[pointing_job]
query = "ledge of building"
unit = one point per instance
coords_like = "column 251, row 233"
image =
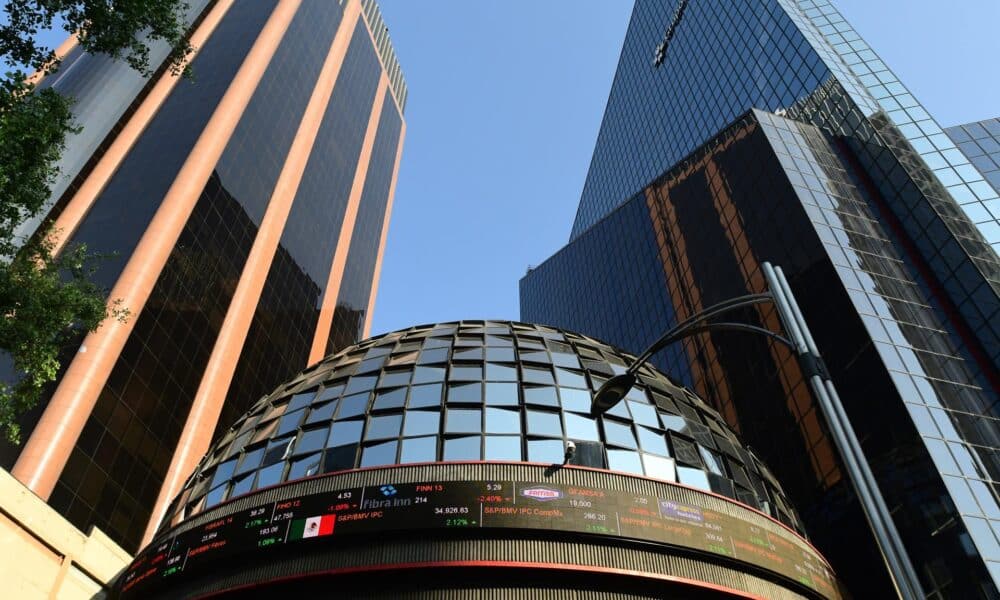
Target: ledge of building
column 44, row 555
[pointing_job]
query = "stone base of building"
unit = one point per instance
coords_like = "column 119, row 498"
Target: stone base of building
column 44, row 556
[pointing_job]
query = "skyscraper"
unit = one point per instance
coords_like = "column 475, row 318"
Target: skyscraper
column 738, row 133
column 245, row 214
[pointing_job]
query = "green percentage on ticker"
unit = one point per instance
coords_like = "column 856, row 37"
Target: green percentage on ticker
column 456, row 523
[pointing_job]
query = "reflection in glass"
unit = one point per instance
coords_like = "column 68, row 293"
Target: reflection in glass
column 425, row 395
column 269, row 476
column 581, row 428
column 422, row 422
column 500, row 354
column 360, row 384
column 624, row 460
column 546, row 451
column 437, row 355
column 474, row 354
column 345, row 432
column 367, row 366
column 544, row 396
column 537, row 375
column 618, row 434
column 674, row 423
column 289, row 422
column 483, row 420
column 384, row 427
column 503, row 447
column 428, row 374
column 652, row 441
column 499, row 420
column 693, row 477
column 379, row 454
column 277, row 450
column 242, row 485
column 570, row 378
column 322, row 413
column 495, row 372
column 223, row 472
column 306, row 466
column 501, row 394
column 644, row 414
column 466, row 392
column 575, row 400
column 417, row 450
column 436, row 343
column 395, row 378
column 216, row 495
column 313, row 439
column 661, row 468
column 712, row 461
column 465, row 373
column 264, row 432
column 460, row 420
column 544, row 423
column 251, row 460
column 300, row 400
column 565, row 360
column 340, row 458
column 352, row 406
column 329, row 393
column 463, row 448
column 391, row 399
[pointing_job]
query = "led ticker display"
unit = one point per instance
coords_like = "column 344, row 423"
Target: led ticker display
column 477, row 504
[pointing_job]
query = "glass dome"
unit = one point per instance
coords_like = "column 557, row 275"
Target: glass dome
column 477, row 391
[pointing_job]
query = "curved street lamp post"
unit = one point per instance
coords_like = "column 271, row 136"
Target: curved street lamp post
column 802, row 343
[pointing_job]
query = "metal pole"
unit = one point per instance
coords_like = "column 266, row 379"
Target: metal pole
column 876, row 511
column 864, row 482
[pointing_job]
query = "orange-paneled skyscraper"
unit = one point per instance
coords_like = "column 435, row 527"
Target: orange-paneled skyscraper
column 245, row 211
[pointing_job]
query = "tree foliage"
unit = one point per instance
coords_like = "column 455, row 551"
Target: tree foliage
column 47, row 299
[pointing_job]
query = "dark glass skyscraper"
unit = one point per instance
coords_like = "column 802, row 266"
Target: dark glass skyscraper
column 739, row 133
column 245, row 213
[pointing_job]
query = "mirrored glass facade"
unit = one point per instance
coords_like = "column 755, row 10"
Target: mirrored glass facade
column 770, row 132
column 980, row 143
column 238, row 291
column 478, row 391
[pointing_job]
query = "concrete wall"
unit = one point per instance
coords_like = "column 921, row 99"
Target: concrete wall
column 43, row 556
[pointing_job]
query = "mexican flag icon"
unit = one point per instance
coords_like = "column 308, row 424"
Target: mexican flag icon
column 312, row 527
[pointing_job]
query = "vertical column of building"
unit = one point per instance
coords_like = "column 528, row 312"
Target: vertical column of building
column 347, row 228
column 377, row 275
column 218, row 374
column 52, row 441
column 69, row 219
column 367, row 189
column 280, row 335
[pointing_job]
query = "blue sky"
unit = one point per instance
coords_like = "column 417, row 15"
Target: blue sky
column 505, row 102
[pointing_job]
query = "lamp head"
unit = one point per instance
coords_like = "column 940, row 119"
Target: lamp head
column 611, row 393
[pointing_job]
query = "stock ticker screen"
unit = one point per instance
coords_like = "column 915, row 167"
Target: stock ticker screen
column 373, row 510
